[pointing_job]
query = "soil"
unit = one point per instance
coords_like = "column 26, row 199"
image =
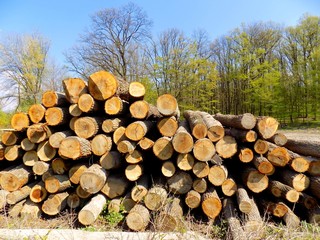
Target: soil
column 303, row 134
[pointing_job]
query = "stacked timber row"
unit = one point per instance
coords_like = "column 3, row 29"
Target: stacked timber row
column 99, row 141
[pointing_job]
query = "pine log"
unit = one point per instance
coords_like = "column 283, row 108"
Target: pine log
column 82, row 193
column 309, row 202
column 167, row 126
column 38, row 193
column 87, row 127
column 20, row 121
column 13, row 153
column 75, row 172
column 88, row 104
column 200, row 185
column 211, row 204
column 291, row 219
column 136, row 90
column 30, row 158
column 196, row 123
column 201, row 169
column 279, row 189
column 57, row 183
column 74, row 110
column 45, row 152
column 40, row 167
column 115, row 106
column 134, row 157
column 245, row 121
column 74, row 88
column 203, row 149
column 229, row 212
column 101, row 144
column 254, row 180
column 53, row 99
column 55, row 203
column 155, row 198
column 74, row 148
column 38, row 132
column 143, row 110
column 245, row 155
column 304, row 147
column 242, row 135
column 193, row 199
column 119, row 135
column 182, row 140
column 134, row 171
column 168, row 105
column 10, row 138
column 279, row 139
column 110, row 125
column 93, row 179
column 263, row 165
column 138, row 218
column 298, row 181
column 146, row 143
column 111, row 160
column 126, row 146
column 73, row 201
column 180, row 183
column 315, row 186
column 244, row 202
column 30, row 210
column 229, row 187
column 163, row 148
column 116, row 185
column 36, row 113
column 278, row 156
column 137, row 130
column 140, row 189
column 185, row 161
column 168, row 168
column 217, row 175
column 90, row 212
column 56, row 116
column 19, row 194
column 226, row 147
column 261, row 146
column 15, row 178
column 215, row 130
column 27, row 145
column 56, row 138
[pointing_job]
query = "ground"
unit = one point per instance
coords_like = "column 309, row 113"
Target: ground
column 309, row 133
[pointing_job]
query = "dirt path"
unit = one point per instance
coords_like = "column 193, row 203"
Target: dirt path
column 310, row 134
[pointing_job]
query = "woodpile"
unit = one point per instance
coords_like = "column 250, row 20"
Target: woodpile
column 100, row 142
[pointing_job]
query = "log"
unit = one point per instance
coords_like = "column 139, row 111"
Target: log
column 126, row 146
column 74, row 110
column 15, row 178
column 298, row 181
column 87, row 127
column 111, row 160
column 300, row 164
column 73, row 201
column 314, row 216
column 60, row 166
column 134, row 171
column 134, row 157
column 101, row 144
column 115, row 106
column 200, row 185
column 263, row 165
column 36, row 113
column 254, row 180
column 229, row 187
column 275, row 209
column 10, row 138
column 146, row 143
column 2, row 151
column 235, row 228
column 110, row 125
column 168, row 168
column 193, row 199
column 261, row 147
column 127, row 203
column 278, row 156
column 226, row 147
column 182, row 140
column 291, row 219
column 93, row 179
column 245, row 121
column 217, row 174
column 168, row 105
column 90, row 212
column 27, row 145
column 102, row 85
column 116, row 185
column 45, row 152
column 38, row 193
column 38, row 132
column 40, row 167
column 74, row 88
column 56, row 116
column 143, row 110
column 88, row 104
column 196, row 123
column 82, row 193
column 314, row 167
column 279, row 189
column 253, row 223
column 53, row 99
column 74, row 148
column 309, row 202
column 155, row 198
column 138, row 218
column 30, row 210
column 72, row 122
column 119, row 135
column 279, row 139
column 245, row 155
column 19, row 194
column 140, row 189
column 55, row 203
column 215, row 130
column 244, row 202
column 13, row 153
column 137, row 130
column 201, row 169
column 315, row 186
column 136, row 90
column 56, row 138
column 211, row 204
column 267, row 127
column 163, row 148
column 47, row 174
column 114, row 205
column 75, row 172
column 242, row 135
column 57, row 183
column 167, row 126
column 304, row 147
column 15, row 210
column 180, row 183
column 30, row 158
column 203, row 149
column 20, row 121
column 3, row 198
column 185, row 161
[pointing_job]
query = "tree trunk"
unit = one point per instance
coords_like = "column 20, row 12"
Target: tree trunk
column 74, row 88
column 226, row 147
column 57, row 183
column 300, row 164
column 87, row 127
column 261, row 146
column 27, row 145
column 30, row 158
column 119, row 135
column 73, row 201
column 309, row 202
column 110, row 125
column 45, row 152
column 19, row 194
column 197, row 125
column 138, row 218
column 254, row 180
column 13, row 153
column 140, row 189
column 278, row 156
column 193, row 199
column 298, row 181
column 167, row 126
column 314, row 216
column 168, row 105
column 82, row 193
column 126, row 146
column 263, row 165
column 3, row 198
column 134, row 171
column 279, row 189
column 101, row 144
column 279, row 139
column 16, row 209
column 10, row 138
column 185, row 161
column 137, row 130
column 88, row 104
column 91, row 211
column 102, row 85
column 116, row 185
column 244, row 202
column 93, row 179
column 15, row 178
column 115, row 106
column 267, row 127
column 74, row 148
column 2, row 151
column 111, row 160
column 314, row 167
column 163, row 148
column 254, row 224
column 211, row 204
column 168, row 168
column 53, row 99
column 136, row 90
column 40, row 167
column 275, row 209
column 36, row 113
column 155, row 198
column 38, row 132
column 60, row 166
column 217, row 175
column 75, row 172
column 143, row 110
column 200, row 185
column 56, row 138
column 242, row 135
column 74, row 110
column 215, row 130
column 38, row 193
column 315, row 186
column 146, row 143
column 245, row 121
column 291, row 219
column 304, row 147
column 203, row 149
column 229, row 187
column 20, row 121
column 30, row 210
column 55, row 203
column 180, row 183
column 182, row 140
column 245, row 155
column 57, row 116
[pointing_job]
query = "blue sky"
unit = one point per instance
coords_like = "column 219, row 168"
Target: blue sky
column 62, row 21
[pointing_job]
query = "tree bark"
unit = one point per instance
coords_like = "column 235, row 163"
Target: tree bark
column 304, row 147
column 298, row 181
column 242, row 135
column 244, row 202
column 315, row 186
column 90, row 212
column 279, row 189
column 245, row 121
column 180, row 183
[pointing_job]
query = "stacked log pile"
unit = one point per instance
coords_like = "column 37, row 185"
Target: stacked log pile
column 99, row 141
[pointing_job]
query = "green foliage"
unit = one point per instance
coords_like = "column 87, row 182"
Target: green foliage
column 111, row 217
column 5, row 119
